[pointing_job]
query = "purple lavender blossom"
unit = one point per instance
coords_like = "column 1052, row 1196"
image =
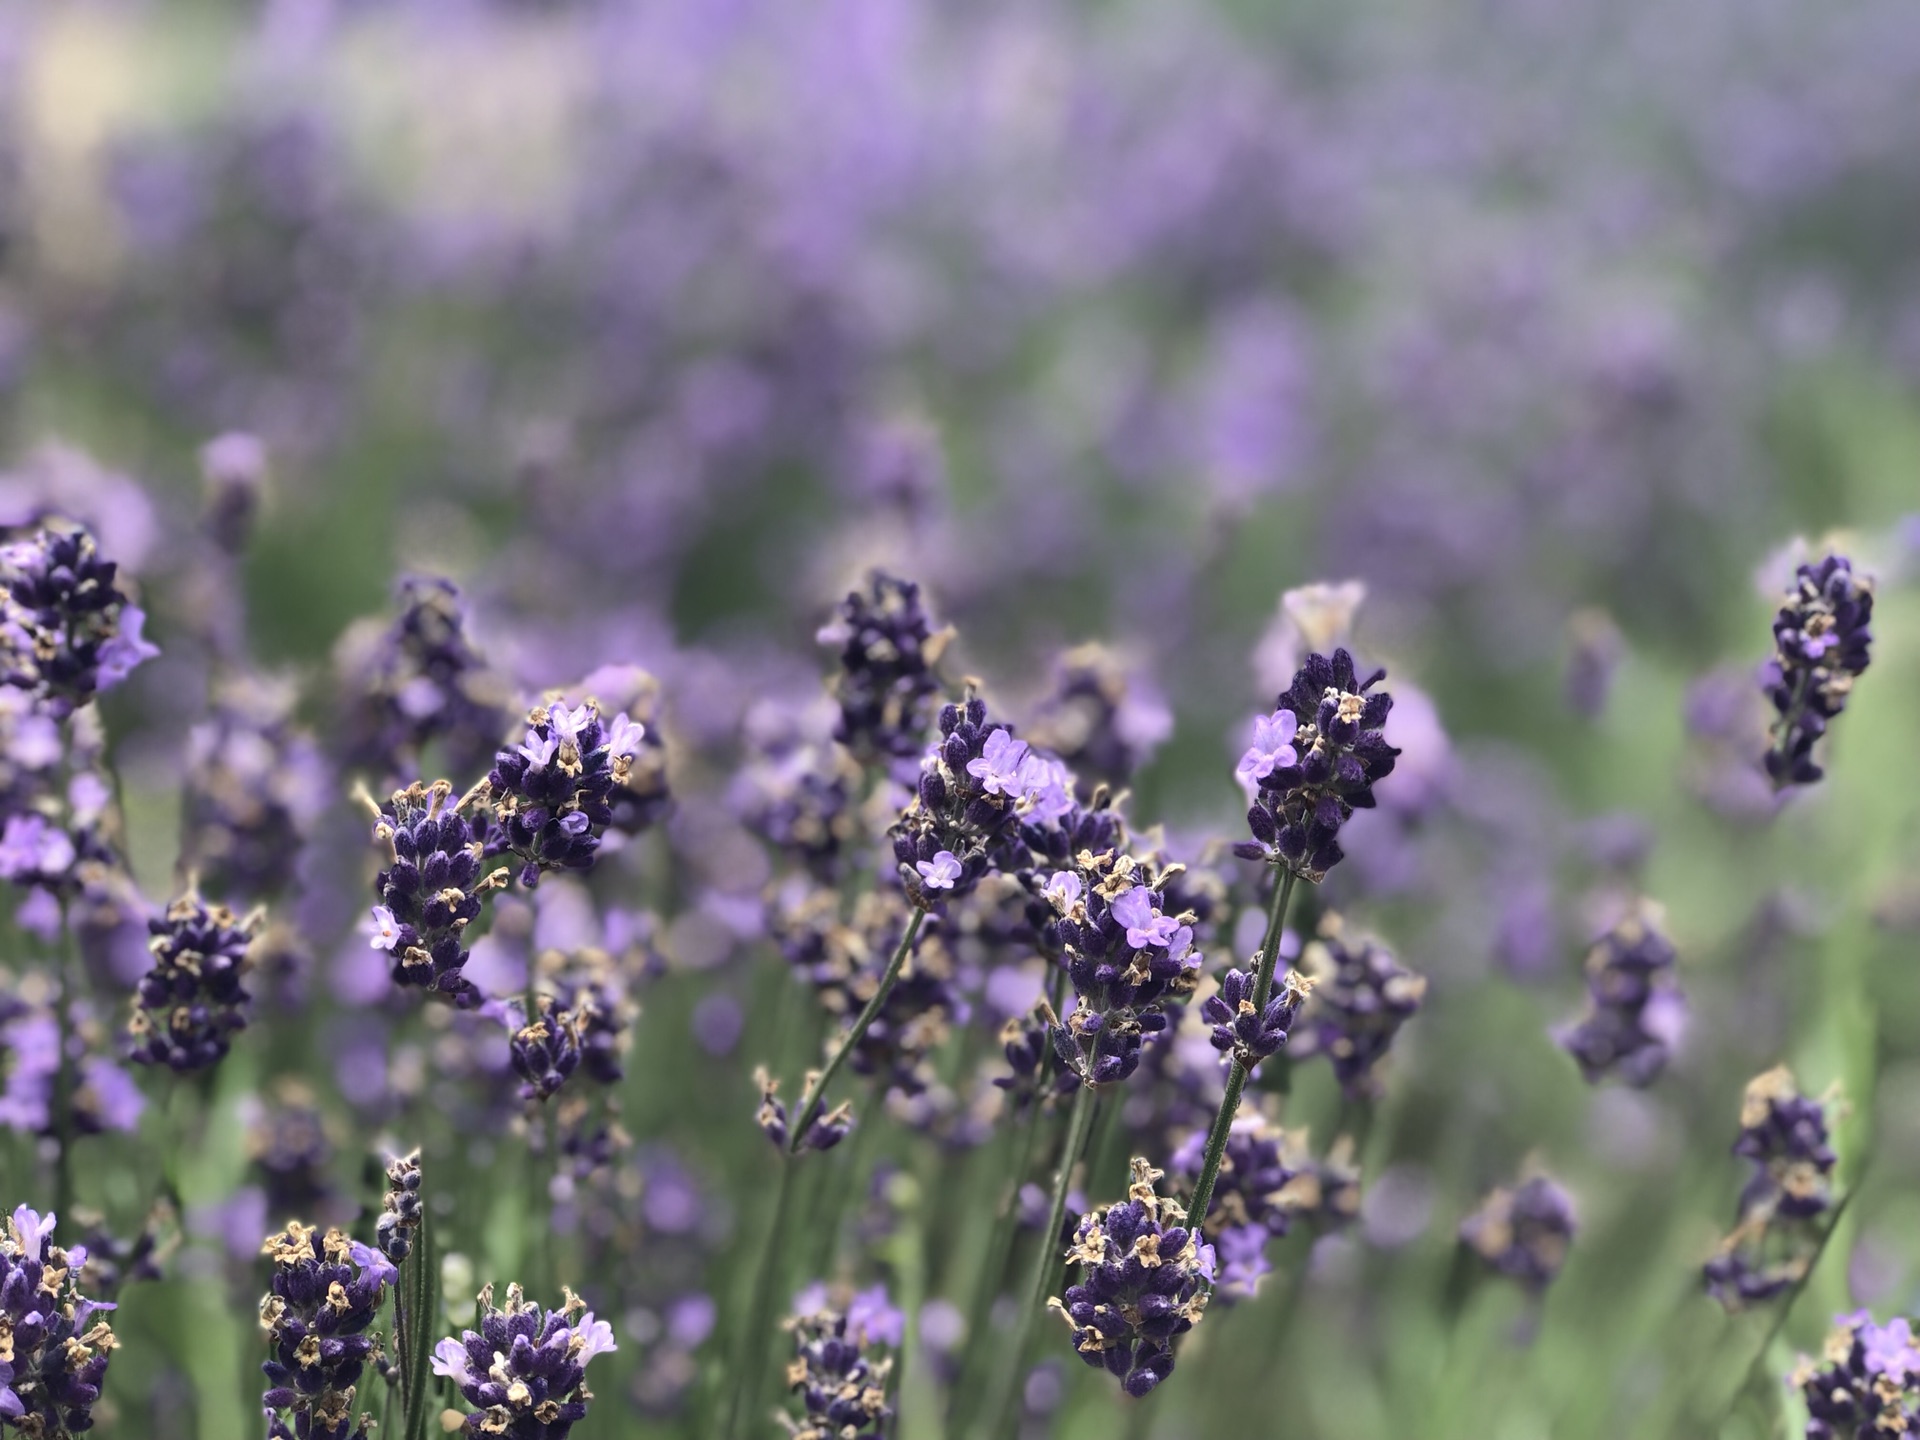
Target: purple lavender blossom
column 1315, row 773
column 1103, row 723
column 431, row 892
column 524, row 1370
column 966, row 807
column 66, row 629
column 1787, row 1199
column 1361, row 997
column 1524, row 1232
column 550, row 796
column 1821, row 640
column 1635, row 1012
column 56, row 1353
column 888, row 652
column 193, row 1001
column 1867, row 1382
column 325, row 1293
column 1250, row 1034
column 1145, row 1279
column 842, row 1386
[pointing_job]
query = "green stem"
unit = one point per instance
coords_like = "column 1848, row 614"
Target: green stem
column 749, row 1368
column 999, row 1250
column 817, row 1092
column 1079, row 1127
column 1237, row 1072
column 63, row 1076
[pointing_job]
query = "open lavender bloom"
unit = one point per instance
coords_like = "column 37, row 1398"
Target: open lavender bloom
column 1313, row 762
column 1866, row 1384
column 419, row 682
column 841, row 1383
column 525, row 1368
column 888, row 653
column 1144, row 1281
column 975, row 782
column 1786, row 1200
column 1524, row 1232
column 66, row 630
column 431, row 892
column 326, row 1290
column 1252, row 1201
column 1821, row 639
column 193, row 1001
column 1635, row 1012
column 53, row 1351
column 1128, row 960
column 551, row 795
column 1361, row 997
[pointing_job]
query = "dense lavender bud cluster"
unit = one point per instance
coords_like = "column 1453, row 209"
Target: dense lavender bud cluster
column 1524, row 1232
column 1128, row 960
column 1144, row 1281
column 1313, row 762
column 1100, row 722
column 551, row 796
column 1254, row 1198
column 889, row 653
column 325, row 1292
column 828, row 1129
column 66, row 630
column 592, row 992
column 546, row 1049
column 432, row 891
column 288, row 1143
column 400, row 1209
column 53, row 1351
column 841, row 1383
column 419, row 682
column 1034, row 1068
column 1361, row 997
column 979, row 789
column 1866, row 1384
column 1248, row 1032
column 254, row 784
column 1821, row 640
column 641, row 795
column 799, row 795
column 1635, row 1011
column 525, row 1368
column 1787, row 1198
column 193, row 1001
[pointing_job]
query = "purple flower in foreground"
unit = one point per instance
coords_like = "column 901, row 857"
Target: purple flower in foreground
column 1272, row 748
column 524, row 1370
column 1867, row 1383
column 431, row 892
column 1821, row 642
column 551, row 797
column 325, row 1292
column 66, row 629
column 53, row 1351
column 941, row 872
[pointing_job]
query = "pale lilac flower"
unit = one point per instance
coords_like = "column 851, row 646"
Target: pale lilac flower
column 386, row 929
column 997, row 768
column 127, row 649
column 940, row 872
column 1045, row 787
column 567, row 724
column 1064, row 890
column 539, row 749
column 1272, row 747
column 450, row 1360
column 31, row 846
column 624, row 736
column 595, row 1337
column 31, row 1229
column 1145, row 925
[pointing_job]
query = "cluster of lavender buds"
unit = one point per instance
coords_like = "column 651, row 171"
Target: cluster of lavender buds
column 399, row 1209
column 254, row 784
column 552, row 795
column 325, row 1292
column 978, row 787
column 1128, row 960
column 841, row 1383
column 66, row 630
column 419, row 682
column 1145, row 1279
column 827, row 1130
column 1783, row 1134
column 1821, row 639
column 1867, row 1383
column 1244, row 1030
column 1361, row 997
column 1313, row 762
column 1101, row 723
column 1524, row 1232
column 799, row 795
column 525, row 1368
column 192, row 1002
column 1034, row 1069
column 1254, row 1198
column 547, row 1048
column 53, row 1352
column 432, row 891
column 288, row 1143
column 889, row 654
column 1635, row 1011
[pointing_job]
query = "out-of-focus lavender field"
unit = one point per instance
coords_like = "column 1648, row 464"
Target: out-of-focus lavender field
column 427, row 366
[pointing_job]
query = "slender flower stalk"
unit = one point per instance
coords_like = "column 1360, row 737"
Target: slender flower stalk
column 816, row 1091
column 1237, row 1071
column 747, row 1368
column 999, row 1413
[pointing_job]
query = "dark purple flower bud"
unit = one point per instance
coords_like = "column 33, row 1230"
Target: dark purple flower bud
column 325, row 1292
column 524, row 1371
column 399, row 1209
column 58, row 1343
column 193, row 1001
column 1867, row 1382
column 839, row 1380
column 66, row 630
column 1635, row 1012
column 421, row 926
column 1788, row 1197
column 1361, row 997
column 1821, row 640
column 1524, row 1232
column 888, row 652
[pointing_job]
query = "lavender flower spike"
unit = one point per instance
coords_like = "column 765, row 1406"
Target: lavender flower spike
column 887, row 681
column 552, row 795
column 1524, row 1232
column 1867, row 1383
column 192, row 1002
column 66, row 630
column 326, row 1290
column 1821, row 640
column 53, row 1352
column 525, row 1369
column 841, row 1384
column 431, row 892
